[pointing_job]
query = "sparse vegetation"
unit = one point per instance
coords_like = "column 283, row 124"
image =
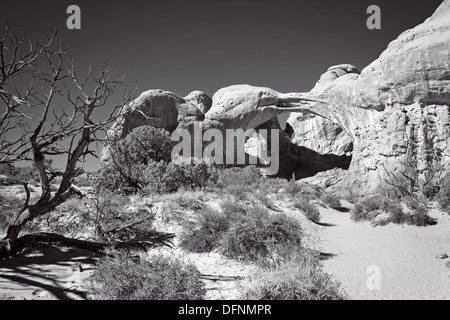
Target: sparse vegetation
column 241, row 232
column 331, row 201
column 161, row 278
column 443, row 196
column 299, row 277
column 259, row 236
column 310, row 210
column 381, row 211
column 19, row 173
column 141, row 163
column 205, row 235
column 239, row 177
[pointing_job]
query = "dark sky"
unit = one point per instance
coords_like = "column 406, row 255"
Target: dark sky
column 185, row 45
column 189, row 45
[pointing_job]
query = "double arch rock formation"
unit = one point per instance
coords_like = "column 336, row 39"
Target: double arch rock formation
column 396, row 110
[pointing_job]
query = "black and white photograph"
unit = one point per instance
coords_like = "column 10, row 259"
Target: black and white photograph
column 241, row 152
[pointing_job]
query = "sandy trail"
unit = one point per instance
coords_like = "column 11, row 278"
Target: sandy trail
column 405, row 256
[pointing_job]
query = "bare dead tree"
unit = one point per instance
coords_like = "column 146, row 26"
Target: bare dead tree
column 408, row 182
column 47, row 109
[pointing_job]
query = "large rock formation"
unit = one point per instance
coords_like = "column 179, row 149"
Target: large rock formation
column 162, row 109
column 395, row 111
column 319, row 134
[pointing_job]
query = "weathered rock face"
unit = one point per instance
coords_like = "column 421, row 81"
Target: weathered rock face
column 319, row 134
column 396, row 110
column 247, row 107
column 160, row 109
column 200, row 99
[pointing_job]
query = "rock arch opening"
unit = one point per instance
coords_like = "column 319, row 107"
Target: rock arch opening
column 309, row 144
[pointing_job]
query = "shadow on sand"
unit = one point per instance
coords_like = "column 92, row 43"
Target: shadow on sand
column 46, row 268
column 327, row 255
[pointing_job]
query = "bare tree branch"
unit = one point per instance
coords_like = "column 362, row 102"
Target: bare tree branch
column 52, row 114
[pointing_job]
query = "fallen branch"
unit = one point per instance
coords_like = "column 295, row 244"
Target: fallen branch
column 219, row 277
column 157, row 239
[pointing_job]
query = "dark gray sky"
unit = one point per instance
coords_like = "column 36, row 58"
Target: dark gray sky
column 184, row 45
column 187, row 45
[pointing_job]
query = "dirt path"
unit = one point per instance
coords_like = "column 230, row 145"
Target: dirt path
column 405, row 257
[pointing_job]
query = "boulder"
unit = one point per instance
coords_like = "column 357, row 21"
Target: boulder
column 160, row 109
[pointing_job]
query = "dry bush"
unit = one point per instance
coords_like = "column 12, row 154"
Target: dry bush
column 310, row 210
column 370, row 208
column 443, row 196
column 205, row 234
column 300, row 277
column 161, row 278
column 257, row 235
column 331, row 201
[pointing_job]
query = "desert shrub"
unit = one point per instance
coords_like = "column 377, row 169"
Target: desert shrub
column 292, row 188
column 140, row 163
column 191, row 175
column 308, row 191
column 370, row 208
column 261, row 198
column 114, row 211
column 71, row 218
column 142, row 145
column 395, row 211
column 242, row 232
column 19, row 173
column 167, row 178
column 239, row 177
column 205, row 235
column 443, row 196
column 331, row 201
column 162, row 278
column 358, row 214
column 419, row 218
column 186, row 199
column 85, row 181
column 298, row 278
column 240, row 193
column 9, row 207
column 375, row 203
column 311, row 211
column 130, row 156
column 257, row 235
column 411, row 202
column 206, row 232
column 272, row 185
column 232, row 209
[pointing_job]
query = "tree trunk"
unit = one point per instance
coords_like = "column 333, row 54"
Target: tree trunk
column 16, row 226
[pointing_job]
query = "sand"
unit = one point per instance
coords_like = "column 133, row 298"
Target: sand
column 354, row 253
column 46, row 273
column 405, row 257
